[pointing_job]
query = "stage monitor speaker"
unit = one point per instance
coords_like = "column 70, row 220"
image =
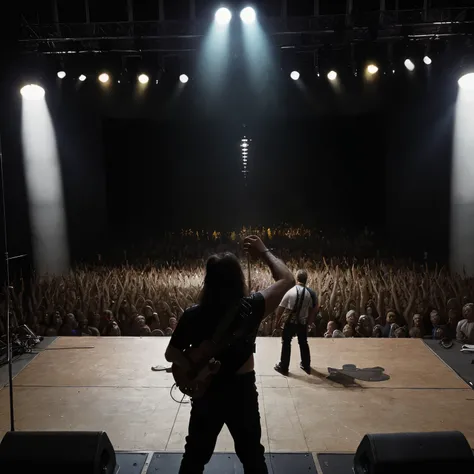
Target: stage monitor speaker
column 55, row 452
column 430, row 453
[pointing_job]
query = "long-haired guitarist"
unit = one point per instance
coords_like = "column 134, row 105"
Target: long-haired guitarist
column 231, row 397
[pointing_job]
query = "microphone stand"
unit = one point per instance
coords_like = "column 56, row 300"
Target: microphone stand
column 7, row 270
column 8, row 288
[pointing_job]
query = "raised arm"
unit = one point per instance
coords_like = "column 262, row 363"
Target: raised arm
column 283, row 277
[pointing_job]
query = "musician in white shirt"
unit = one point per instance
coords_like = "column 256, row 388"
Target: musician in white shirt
column 296, row 314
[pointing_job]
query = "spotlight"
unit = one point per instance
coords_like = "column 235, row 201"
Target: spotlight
column 61, row 74
column 82, row 78
column 104, row 77
column 295, row 75
column 183, row 78
column 332, row 75
column 409, row 64
column 372, row 69
column 32, row 92
column 143, row 79
column 248, row 15
column 223, row 16
column 427, row 60
column 466, row 82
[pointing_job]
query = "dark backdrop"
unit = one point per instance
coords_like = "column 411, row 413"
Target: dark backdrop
column 165, row 175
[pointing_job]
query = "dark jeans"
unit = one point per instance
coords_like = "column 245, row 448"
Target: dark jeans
column 235, row 404
column 289, row 331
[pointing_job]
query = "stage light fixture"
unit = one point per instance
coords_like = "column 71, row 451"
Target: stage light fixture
column 295, row 75
column 32, row 92
column 143, row 79
column 104, row 78
column 82, row 78
column 427, row 60
column 332, row 75
column 409, row 64
column 248, row 15
column 223, row 16
column 372, row 69
column 183, row 78
column 466, row 82
column 61, row 74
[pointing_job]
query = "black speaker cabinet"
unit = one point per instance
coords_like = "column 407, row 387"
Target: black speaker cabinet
column 55, row 452
column 430, row 453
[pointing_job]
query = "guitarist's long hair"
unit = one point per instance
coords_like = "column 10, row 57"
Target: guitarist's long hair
column 224, row 283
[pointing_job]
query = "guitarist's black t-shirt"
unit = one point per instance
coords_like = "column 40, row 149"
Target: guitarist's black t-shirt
column 195, row 327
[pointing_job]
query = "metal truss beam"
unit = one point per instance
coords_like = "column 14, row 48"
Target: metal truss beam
column 300, row 33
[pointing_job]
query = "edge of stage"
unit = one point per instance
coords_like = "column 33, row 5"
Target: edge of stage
column 106, row 384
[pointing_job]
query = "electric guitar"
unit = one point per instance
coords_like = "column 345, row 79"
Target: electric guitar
column 204, row 363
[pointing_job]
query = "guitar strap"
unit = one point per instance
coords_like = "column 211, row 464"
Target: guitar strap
column 299, row 306
column 224, row 327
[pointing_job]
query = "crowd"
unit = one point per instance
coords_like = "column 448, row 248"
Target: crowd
column 369, row 298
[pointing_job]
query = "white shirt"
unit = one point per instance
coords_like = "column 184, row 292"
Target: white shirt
column 465, row 331
column 289, row 302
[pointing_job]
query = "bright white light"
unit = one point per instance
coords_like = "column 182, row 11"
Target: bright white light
column 223, row 16
column 467, row 82
column 143, row 79
column 82, row 78
column 61, row 74
column 427, row 60
column 248, row 15
column 32, row 92
column 295, row 75
column 44, row 189
column 332, row 75
column 372, row 69
column 244, row 145
column 183, row 78
column 462, row 174
column 104, row 77
column 409, row 64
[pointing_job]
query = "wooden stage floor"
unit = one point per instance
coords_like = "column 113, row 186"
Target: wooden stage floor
column 106, row 384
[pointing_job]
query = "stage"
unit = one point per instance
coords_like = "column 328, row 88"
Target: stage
column 107, row 384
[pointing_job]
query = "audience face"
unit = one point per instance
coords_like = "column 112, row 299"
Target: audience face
column 70, row 320
column 391, row 317
column 467, row 312
column 148, row 312
column 140, row 321
column 351, row 317
column 348, row 331
column 58, row 321
column 84, row 324
column 95, row 321
column 114, row 329
column 331, row 327
column 417, row 321
column 434, row 318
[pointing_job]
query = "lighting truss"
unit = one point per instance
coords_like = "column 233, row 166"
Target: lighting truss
column 299, row 33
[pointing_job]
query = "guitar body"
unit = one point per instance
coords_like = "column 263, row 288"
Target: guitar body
column 196, row 381
column 204, row 366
